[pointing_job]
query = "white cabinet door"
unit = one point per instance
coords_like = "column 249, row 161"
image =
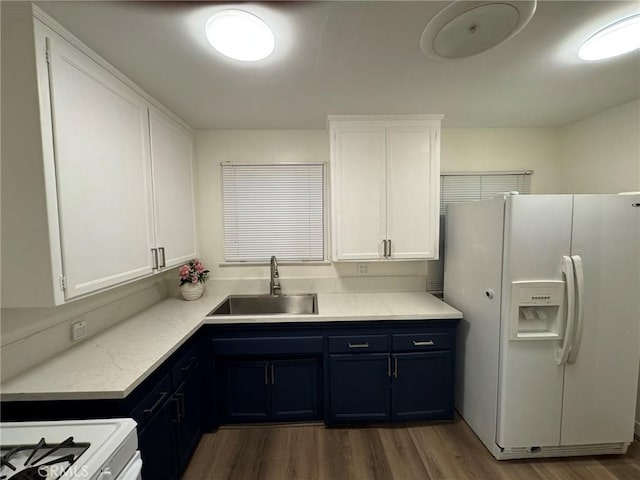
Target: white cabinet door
column 101, row 150
column 412, row 189
column 172, row 160
column 385, row 184
column 358, row 186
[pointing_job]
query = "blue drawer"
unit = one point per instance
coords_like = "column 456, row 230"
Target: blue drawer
column 419, row 342
column 359, row 344
column 267, row 345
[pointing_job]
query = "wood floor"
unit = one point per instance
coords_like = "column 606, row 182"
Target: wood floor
column 420, row 451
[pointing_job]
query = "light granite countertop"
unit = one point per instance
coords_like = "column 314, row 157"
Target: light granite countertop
column 113, row 363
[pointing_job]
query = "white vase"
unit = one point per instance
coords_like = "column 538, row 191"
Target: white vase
column 192, row 291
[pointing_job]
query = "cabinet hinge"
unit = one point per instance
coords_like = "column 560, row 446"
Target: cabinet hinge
column 47, row 56
column 63, row 283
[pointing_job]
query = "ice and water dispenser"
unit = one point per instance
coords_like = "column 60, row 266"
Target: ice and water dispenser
column 537, row 310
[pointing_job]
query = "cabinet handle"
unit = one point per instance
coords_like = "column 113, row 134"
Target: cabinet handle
column 389, row 367
column 176, row 402
column 423, row 344
column 163, row 264
column 182, row 412
column 384, row 244
column 389, row 255
column 266, row 374
column 150, row 412
column 359, row 345
column 395, row 367
column 273, row 376
column 192, row 363
column 154, row 254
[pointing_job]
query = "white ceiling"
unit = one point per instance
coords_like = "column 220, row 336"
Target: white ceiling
column 358, row 57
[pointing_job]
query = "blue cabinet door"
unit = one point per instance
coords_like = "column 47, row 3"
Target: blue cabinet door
column 157, row 444
column 246, row 390
column 294, row 389
column 422, row 387
column 359, row 386
column 189, row 417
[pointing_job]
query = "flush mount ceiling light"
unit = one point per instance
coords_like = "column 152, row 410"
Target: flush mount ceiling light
column 240, row 35
column 616, row 39
column 467, row 28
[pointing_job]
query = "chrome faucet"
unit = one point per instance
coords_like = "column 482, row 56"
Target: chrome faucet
column 274, row 284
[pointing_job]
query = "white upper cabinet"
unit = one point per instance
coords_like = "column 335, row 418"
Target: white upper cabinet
column 102, row 163
column 172, row 159
column 97, row 181
column 385, row 187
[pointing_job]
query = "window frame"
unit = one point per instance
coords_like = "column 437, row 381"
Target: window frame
column 326, row 224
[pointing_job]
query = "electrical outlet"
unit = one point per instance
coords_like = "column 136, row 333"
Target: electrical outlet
column 78, row 330
column 363, row 269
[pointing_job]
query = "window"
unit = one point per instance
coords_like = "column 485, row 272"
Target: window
column 273, row 209
column 466, row 187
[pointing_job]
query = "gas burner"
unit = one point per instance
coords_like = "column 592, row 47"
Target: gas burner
column 41, row 461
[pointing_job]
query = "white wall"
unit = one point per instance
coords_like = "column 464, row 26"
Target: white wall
column 504, row 149
column 258, row 146
column 601, row 154
column 462, row 149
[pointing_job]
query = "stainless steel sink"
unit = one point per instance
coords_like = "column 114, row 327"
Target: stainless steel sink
column 296, row 304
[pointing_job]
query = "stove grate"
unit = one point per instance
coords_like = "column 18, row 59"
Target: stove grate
column 41, row 461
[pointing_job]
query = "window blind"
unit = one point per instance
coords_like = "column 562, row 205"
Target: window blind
column 466, row 187
column 273, row 210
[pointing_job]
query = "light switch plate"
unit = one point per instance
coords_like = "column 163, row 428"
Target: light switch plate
column 78, row 330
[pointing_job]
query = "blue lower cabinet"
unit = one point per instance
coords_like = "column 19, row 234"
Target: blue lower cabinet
column 390, row 386
column 359, row 387
column 188, row 416
column 295, row 394
column 245, row 390
column 169, row 417
column 270, row 390
column 421, row 386
column 157, row 443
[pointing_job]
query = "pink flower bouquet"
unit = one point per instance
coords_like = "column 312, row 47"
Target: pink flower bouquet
column 193, row 272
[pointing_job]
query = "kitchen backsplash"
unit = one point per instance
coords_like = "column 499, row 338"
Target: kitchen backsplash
column 31, row 336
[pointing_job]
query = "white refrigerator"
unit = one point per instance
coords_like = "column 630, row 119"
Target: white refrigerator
column 549, row 347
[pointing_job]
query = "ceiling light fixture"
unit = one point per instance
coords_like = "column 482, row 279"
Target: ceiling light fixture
column 467, row 28
column 240, row 35
column 616, row 39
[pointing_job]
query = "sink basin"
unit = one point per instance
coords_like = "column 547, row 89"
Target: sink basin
column 297, row 304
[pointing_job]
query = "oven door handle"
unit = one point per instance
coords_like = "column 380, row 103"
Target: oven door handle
column 132, row 471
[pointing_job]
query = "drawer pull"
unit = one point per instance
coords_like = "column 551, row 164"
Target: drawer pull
column 423, row 344
column 192, row 363
column 150, row 412
column 359, row 345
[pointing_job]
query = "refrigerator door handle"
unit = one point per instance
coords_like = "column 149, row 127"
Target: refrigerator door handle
column 567, row 269
column 579, row 273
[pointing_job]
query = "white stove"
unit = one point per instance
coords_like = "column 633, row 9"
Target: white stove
column 70, row 450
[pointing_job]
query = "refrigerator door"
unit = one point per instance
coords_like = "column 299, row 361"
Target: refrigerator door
column 601, row 373
column 472, row 284
column 537, row 236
